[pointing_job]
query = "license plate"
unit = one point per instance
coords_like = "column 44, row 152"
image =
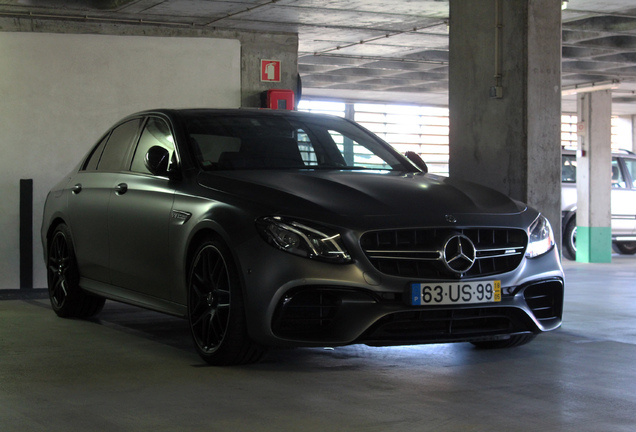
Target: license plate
column 455, row 293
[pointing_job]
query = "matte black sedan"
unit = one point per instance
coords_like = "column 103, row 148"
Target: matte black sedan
column 271, row 228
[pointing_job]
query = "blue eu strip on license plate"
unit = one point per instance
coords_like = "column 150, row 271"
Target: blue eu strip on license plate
column 455, row 293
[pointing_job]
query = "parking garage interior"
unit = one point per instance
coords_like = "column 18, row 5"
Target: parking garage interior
column 501, row 80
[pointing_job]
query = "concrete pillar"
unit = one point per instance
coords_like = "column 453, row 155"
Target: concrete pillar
column 593, row 177
column 505, row 98
column 260, row 46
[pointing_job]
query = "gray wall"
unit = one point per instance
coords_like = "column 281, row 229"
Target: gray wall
column 63, row 85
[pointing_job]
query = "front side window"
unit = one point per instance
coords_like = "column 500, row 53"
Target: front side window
column 306, row 148
column 618, row 181
column 356, row 154
column 261, row 142
column 155, row 133
column 631, row 168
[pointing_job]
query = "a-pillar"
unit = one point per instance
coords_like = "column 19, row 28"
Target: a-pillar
column 505, row 98
column 594, row 177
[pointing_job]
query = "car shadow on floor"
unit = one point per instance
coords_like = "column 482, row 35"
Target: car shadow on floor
column 174, row 332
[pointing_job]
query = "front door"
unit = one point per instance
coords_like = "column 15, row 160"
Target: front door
column 139, row 220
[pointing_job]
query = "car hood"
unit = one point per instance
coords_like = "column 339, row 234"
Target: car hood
column 361, row 193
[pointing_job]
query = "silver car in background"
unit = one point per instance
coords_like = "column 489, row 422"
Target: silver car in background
column 623, row 202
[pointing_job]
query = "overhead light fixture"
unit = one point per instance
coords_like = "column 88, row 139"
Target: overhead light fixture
column 564, row 4
column 590, row 87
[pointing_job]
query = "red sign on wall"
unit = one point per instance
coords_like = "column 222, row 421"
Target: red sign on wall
column 270, row 70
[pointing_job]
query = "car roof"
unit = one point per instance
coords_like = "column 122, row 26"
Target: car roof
column 264, row 112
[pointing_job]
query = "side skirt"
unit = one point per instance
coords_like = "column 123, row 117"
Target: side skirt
column 134, row 298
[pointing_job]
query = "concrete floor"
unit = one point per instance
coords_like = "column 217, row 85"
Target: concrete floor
column 134, row 370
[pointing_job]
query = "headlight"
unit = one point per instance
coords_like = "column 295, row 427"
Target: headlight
column 541, row 238
column 302, row 239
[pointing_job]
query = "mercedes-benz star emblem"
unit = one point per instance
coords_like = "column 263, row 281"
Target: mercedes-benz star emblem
column 458, row 254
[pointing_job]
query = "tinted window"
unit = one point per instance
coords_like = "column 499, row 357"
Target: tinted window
column 307, row 151
column 568, row 172
column 568, row 168
column 156, row 133
column 243, row 142
column 118, row 145
column 618, row 181
column 356, row 154
column 93, row 159
column 631, row 168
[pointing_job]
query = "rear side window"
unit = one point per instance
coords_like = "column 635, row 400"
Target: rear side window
column 118, row 145
column 93, row 159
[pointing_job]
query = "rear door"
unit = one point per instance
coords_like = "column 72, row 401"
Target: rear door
column 89, row 198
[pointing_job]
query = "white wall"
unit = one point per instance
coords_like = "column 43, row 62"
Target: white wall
column 623, row 128
column 60, row 92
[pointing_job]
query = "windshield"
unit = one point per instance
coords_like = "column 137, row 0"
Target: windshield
column 229, row 142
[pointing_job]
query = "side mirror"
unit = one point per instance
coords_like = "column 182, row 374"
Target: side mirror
column 157, row 160
column 416, row 160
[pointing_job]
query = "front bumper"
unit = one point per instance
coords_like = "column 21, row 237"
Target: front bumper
column 293, row 301
column 321, row 314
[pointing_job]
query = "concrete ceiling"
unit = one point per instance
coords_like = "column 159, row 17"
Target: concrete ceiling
column 377, row 50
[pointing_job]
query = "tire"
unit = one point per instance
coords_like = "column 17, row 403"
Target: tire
column 216, row 313
column 625, row 248
column 68, row 300
column 569, row 239
column 513, row 341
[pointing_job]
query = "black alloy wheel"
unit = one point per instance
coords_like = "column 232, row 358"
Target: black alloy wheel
column 569, row 239
column 215, row 308
column 67, row 298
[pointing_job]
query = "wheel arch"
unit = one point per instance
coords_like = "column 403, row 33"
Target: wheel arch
column 55, row 222
column 213, row 231
column 53, row 225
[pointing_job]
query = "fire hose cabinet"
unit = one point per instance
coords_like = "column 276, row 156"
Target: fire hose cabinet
column 279, row 99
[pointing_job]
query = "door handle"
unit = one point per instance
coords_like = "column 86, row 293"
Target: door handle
column 121, row 188
column 76, row 189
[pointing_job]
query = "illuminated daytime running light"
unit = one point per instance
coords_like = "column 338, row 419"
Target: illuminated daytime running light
column 540, row 237
column 302, row 239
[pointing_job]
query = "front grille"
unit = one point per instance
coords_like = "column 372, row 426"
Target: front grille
column 446, row 325
column 417, row 253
